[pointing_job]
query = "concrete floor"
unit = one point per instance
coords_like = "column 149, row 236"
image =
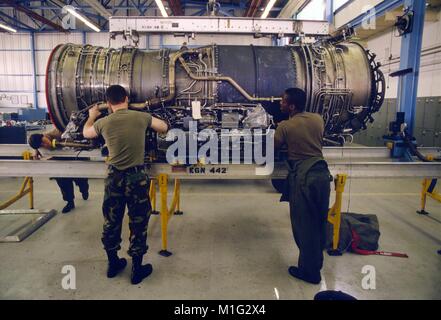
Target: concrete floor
column 233, row 242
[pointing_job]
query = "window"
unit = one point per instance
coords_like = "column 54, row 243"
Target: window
column 314, row 10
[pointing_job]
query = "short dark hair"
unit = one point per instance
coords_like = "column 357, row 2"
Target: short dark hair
column 35, row 140
column 116, row 94
column 296, row 97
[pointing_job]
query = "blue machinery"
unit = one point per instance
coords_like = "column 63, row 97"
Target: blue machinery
column 410, row 27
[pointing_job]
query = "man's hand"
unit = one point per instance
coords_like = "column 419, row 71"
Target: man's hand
column 94, row 112
column 159, row 125
column 36, row 155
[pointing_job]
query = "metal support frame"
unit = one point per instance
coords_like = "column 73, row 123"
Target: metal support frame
column 428, row 190
column 411, row 44
column 97, row 169
column 160, row 173
column 330, row 11
column 34, row 69
column 19, row 232
column 17, row 24
column 33, row 15
column 97, row 13
column 334, row 214
column 165, row 213
column 27, row 187
column 330, row 153
column 359, row 162
column 218, row 25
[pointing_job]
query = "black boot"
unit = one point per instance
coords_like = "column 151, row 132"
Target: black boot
column 296, row 273
column 116, row 265
column 139, row 272
column 69, row 207
column 85, row 195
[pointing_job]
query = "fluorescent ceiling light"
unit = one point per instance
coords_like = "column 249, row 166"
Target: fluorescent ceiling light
column 7, row 28
column 161, row 8
column 73, row 12
column 269, row 6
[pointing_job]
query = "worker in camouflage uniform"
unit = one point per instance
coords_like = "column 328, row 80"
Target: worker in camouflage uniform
column 127, row 183
column 66, row 185
column 308, row 183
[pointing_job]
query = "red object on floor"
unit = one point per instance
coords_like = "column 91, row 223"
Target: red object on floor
column 356, row 242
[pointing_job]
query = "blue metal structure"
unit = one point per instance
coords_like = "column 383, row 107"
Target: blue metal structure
column 411, row 44
column 34, row 70
column 330, row 11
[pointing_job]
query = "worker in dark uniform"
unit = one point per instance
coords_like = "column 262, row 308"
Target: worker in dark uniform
column 308, row 183
column 66, row 185
column 127, row 183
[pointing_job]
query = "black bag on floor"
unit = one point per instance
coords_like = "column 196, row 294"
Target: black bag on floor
column 365, row 225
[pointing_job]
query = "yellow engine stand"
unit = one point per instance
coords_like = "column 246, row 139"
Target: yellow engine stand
column 26, row 187
column 165, row 212
column 334, row 214
column 428, row 191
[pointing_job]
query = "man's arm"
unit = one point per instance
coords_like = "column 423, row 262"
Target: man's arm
column 159, row 125
column 89, row 131
column 53, row 134
column 36, row 155
column 279, row 137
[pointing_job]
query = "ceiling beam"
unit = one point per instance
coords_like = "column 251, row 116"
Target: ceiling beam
column 253, row 8
column 34, row 15
column 98, row 7
column 176, row 8
column 291, row 8
column 16, row 23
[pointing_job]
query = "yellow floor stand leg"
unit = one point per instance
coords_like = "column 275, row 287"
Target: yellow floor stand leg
column 177, row 193
column 162, row 182
column 31, row 193
column 152, row 194
column 334, row 214
column 428, row 190
column 165, row 212
column 26, row 187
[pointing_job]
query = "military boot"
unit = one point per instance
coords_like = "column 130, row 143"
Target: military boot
column 69, row 207
column 116, row 265
column 139, row 272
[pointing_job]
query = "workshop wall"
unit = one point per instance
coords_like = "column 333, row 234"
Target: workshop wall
column 427, row 123
column 387, row 46
column 352, row 10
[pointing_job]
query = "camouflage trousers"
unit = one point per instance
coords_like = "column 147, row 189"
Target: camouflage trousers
column 126, row 188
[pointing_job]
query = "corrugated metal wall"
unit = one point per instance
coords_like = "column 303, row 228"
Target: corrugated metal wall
column 16, row 74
